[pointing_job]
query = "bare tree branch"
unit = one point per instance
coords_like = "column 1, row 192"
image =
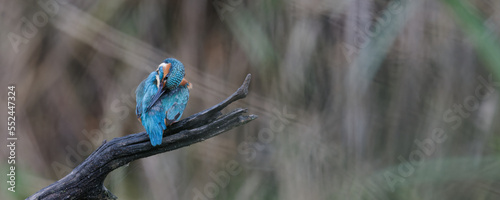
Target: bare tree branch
column 86, row 180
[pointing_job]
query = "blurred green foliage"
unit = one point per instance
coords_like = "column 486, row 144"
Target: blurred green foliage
column 343, row 90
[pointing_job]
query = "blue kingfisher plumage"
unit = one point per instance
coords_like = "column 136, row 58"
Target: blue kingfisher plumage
column 161, row 98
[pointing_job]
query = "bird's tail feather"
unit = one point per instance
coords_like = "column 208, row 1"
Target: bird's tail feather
column 155, row 132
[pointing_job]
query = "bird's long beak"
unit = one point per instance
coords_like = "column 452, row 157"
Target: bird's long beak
column 157, row 96
column 161, row 85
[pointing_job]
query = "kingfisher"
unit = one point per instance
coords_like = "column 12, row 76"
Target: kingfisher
column 161, row 98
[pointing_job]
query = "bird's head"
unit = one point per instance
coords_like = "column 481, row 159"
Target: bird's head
column 169, row 75
column 174, row 73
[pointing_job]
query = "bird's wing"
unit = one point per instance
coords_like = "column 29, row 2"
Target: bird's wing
column 175, row 103
column 139, row 94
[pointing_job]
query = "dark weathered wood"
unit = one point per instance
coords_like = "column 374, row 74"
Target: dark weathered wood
column 86, row 180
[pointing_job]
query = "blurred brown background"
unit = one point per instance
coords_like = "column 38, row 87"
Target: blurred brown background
column 357, row 99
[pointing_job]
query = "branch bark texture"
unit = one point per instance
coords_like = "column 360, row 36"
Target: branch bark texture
column 86, row 180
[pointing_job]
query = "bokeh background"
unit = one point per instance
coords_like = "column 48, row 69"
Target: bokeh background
column 357, row 99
